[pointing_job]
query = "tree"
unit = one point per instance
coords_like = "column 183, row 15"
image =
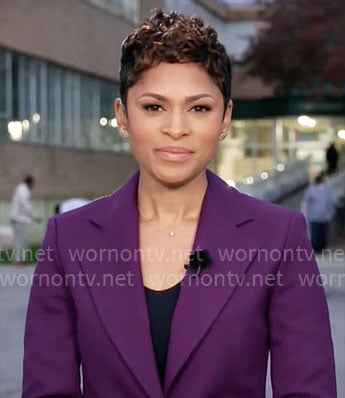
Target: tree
column 301, row 46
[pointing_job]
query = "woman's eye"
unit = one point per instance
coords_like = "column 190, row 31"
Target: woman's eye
column 152, row 108
column 201, row 108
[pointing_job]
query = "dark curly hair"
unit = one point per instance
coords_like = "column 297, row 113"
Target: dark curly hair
column 174, row 38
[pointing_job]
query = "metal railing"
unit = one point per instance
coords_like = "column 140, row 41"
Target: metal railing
column 272, row 186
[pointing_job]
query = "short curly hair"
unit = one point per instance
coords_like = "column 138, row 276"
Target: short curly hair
column 174, row 38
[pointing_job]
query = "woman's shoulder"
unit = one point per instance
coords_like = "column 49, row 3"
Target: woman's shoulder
column 81, row 218
column 240, row 205
column 86, row 210
column 101, row 208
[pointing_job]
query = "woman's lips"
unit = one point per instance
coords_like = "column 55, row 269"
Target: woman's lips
column 174, row 154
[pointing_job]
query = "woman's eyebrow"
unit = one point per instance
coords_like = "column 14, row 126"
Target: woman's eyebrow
column 188, row 99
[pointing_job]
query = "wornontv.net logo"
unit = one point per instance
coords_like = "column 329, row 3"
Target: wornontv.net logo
column 161, row 281
column 295, row 255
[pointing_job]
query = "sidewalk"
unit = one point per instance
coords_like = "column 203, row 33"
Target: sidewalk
column 13, row 303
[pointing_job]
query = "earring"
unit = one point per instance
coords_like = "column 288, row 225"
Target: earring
column 223, row 136
column 124, row 133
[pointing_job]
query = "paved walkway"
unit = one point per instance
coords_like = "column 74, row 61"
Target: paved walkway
column 14, row 296
column 14, row 293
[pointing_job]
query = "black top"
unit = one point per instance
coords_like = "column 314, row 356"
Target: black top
column 161, row 305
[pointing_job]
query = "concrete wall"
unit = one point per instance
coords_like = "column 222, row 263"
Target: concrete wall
column 63, row 173
column 71, row 33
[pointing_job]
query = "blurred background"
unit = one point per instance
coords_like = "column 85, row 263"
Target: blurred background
column 59, row 76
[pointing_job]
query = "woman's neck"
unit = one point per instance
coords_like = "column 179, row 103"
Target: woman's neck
column 170, row 205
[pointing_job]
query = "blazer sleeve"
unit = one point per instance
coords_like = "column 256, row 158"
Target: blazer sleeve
column 302, row 357
column 51, row 359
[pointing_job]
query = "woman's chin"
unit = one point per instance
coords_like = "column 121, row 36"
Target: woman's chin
column 175, row 178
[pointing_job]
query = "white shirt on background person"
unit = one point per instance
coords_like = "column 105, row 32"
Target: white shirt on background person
column 21, row 207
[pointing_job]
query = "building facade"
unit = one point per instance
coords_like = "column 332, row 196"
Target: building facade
column 267, row 132
column 59, row 72
column 58, row 80
column 59, row 77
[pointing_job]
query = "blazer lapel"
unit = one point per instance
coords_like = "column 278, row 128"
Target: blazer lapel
column 221, row 230
column 121, row 303
column 117, row 289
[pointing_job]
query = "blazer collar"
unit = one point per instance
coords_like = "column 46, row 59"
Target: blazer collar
column 123, row 310
column 125, row 199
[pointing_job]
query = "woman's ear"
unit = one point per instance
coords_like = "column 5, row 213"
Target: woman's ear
column 121, row 117
column 227, row 118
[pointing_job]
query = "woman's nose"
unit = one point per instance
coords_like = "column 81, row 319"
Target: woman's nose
column 175, row 124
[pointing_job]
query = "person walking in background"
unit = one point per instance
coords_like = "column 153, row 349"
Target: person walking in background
column 332, row 157
column 318, row 207
column 21, row 216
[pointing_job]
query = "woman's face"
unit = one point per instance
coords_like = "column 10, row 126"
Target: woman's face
column 174, row 118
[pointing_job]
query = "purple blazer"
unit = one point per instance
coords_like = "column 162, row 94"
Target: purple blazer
column 87, row 307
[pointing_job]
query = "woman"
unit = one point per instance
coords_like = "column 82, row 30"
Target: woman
column 141, row 317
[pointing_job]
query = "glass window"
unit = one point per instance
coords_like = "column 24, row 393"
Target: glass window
column 249, row 149
column 3, row 80
column 54, row 106
column 57, row 106
column 3, row 100
column 89, row 112
column 108, row 134
column 5, row 84
column 309, row 136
